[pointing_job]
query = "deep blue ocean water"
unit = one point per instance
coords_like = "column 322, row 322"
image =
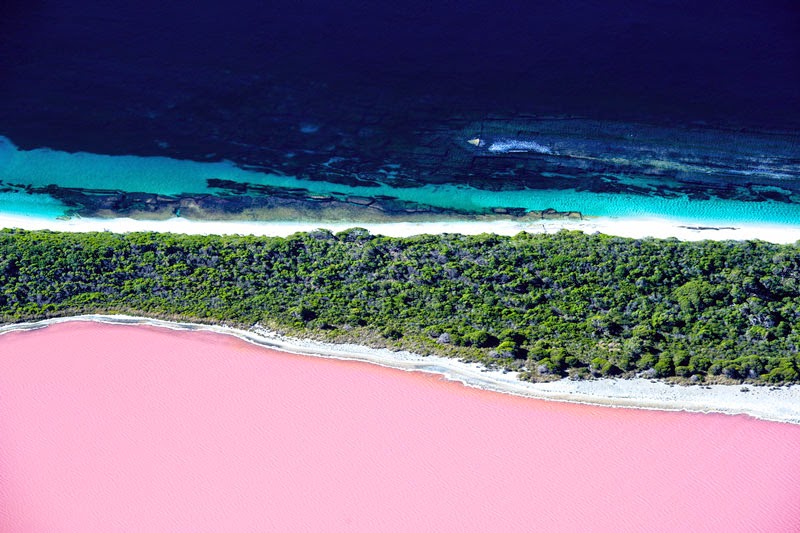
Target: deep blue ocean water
column 675, row 108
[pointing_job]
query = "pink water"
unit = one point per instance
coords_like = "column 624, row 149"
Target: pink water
column 122, row 428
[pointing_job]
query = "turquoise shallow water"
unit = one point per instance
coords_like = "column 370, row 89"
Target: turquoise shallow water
column 15, row 203
column 161, row 175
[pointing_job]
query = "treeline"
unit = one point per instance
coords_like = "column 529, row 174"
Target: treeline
column 547, row 305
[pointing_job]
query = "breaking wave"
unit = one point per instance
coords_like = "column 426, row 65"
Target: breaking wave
column 515, row 145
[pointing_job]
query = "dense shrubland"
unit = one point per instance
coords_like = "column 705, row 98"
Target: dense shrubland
column 549, row 305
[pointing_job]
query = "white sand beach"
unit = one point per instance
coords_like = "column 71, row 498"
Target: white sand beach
column 623, row 227
column 780, row 404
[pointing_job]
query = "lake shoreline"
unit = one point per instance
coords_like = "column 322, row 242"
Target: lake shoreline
column 777, row 404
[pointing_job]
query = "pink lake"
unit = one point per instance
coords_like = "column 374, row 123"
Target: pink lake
column 132, row 428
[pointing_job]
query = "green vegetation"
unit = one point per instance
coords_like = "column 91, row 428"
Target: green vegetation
column 549, row 305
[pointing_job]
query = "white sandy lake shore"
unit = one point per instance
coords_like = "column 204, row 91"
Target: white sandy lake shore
column 779, row 404
column 623, row 227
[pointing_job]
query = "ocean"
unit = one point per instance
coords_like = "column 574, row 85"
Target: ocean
column 355, row 110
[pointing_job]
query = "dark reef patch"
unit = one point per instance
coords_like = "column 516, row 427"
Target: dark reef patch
column 252, row 201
